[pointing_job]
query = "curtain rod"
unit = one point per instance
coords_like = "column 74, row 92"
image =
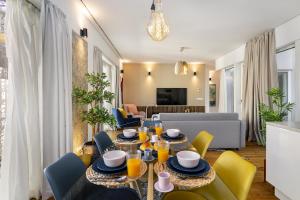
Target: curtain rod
column 102, row 30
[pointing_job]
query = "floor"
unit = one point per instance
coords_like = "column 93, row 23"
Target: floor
column 260, row 190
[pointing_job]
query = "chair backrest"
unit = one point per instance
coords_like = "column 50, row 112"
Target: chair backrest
column 64, row 173
column 118, row 116
column 236, row 173
column 202, row 142
column 103, row 142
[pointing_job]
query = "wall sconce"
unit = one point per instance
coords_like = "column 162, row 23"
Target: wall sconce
column 122, row 71
column 149, row 73
column 84, row 32
column 195, row 73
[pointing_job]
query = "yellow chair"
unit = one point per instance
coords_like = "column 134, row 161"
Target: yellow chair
column 202, row 142
column 233, row 181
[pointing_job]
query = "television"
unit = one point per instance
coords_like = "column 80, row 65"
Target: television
column 171, row 96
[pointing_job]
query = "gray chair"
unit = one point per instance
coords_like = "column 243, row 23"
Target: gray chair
column 68, row 182
column 103, row 142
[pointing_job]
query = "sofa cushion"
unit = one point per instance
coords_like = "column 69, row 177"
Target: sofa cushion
column 131, row 108
column 198, row 116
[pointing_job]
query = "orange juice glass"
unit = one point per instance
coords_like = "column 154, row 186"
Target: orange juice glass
column 134, row 164
column 163, row 151
column 143, row 134
column 158, row 129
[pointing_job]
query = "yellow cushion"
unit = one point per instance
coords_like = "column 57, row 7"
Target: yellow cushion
column 123, row 112
column 217, row 190
column 182, row 195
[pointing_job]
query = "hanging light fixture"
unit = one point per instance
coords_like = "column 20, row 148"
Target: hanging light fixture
column 181, row 67
column 157, row 28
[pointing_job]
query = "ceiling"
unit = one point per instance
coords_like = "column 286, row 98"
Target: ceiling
column 210, row 28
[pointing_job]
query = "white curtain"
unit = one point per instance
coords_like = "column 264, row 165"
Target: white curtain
column 222, row 92
column 98, row 61
column 57, row 126
column 21, row 170
column 259, row 76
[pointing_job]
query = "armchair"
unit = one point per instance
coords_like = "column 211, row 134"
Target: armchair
column 125, row 122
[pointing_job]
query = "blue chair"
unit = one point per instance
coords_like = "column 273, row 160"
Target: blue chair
column 103, row 142
column 151, row 123
column 125, row 122
column 68, row 181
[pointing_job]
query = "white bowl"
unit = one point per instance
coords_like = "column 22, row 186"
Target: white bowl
column 173, row 132
column 114, row 158
column 129, row 133
column 188, row 159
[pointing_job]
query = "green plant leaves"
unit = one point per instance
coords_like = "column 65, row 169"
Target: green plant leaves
column 94, row 98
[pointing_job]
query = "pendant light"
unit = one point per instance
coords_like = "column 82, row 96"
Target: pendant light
column 157, row 28
column 181, row 66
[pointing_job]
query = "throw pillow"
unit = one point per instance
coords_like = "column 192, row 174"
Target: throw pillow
column 123, row 112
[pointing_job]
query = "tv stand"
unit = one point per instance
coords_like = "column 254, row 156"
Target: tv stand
column 150, row 110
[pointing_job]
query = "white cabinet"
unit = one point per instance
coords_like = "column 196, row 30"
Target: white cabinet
column 283, row 159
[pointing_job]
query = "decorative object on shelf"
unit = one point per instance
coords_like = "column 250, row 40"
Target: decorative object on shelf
column 157, row 28
column 277, row 112
column 149, row 73
column 181, row 67
column 195, row 73
column 84, row 32
column 94, row 98
column 212, row 94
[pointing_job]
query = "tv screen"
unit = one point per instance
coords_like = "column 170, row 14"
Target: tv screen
column 171, row 96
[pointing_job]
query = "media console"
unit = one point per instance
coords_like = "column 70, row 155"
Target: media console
column 150, row 110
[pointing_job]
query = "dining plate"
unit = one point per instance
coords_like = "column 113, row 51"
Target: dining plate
column 166, row 137
column 174, row 162
column 188, row 172
column 99, row 166
column 122, row 137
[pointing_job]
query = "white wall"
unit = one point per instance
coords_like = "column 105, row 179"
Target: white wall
column 78, row 17
column 231, row 58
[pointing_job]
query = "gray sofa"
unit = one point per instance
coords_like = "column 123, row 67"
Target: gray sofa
column 228, row 130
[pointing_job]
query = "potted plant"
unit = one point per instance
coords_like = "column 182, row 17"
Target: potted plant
column 277, row 112
column 94, row 98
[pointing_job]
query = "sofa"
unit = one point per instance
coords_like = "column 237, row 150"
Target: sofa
column 228, row 130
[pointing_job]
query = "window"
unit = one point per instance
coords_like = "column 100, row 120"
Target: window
column 283, row 83
column 285, row 58
column 111, row 72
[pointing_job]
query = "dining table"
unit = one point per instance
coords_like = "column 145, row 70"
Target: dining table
column 149, row 172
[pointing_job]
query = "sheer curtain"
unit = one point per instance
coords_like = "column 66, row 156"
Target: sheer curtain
column 222, row 92
column 98, row 62
column 259, row 75
column 21, row 171
column 57, row 127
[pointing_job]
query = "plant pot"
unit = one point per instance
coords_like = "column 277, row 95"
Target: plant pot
column 86, row 159
column 89, row 148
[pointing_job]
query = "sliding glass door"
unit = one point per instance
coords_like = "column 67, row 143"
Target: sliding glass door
column 229, row 76
column 233, row 84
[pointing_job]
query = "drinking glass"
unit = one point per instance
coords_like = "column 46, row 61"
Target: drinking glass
column 134, row 163
column 163, row 151
column 158, row 129
column 143, row 134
